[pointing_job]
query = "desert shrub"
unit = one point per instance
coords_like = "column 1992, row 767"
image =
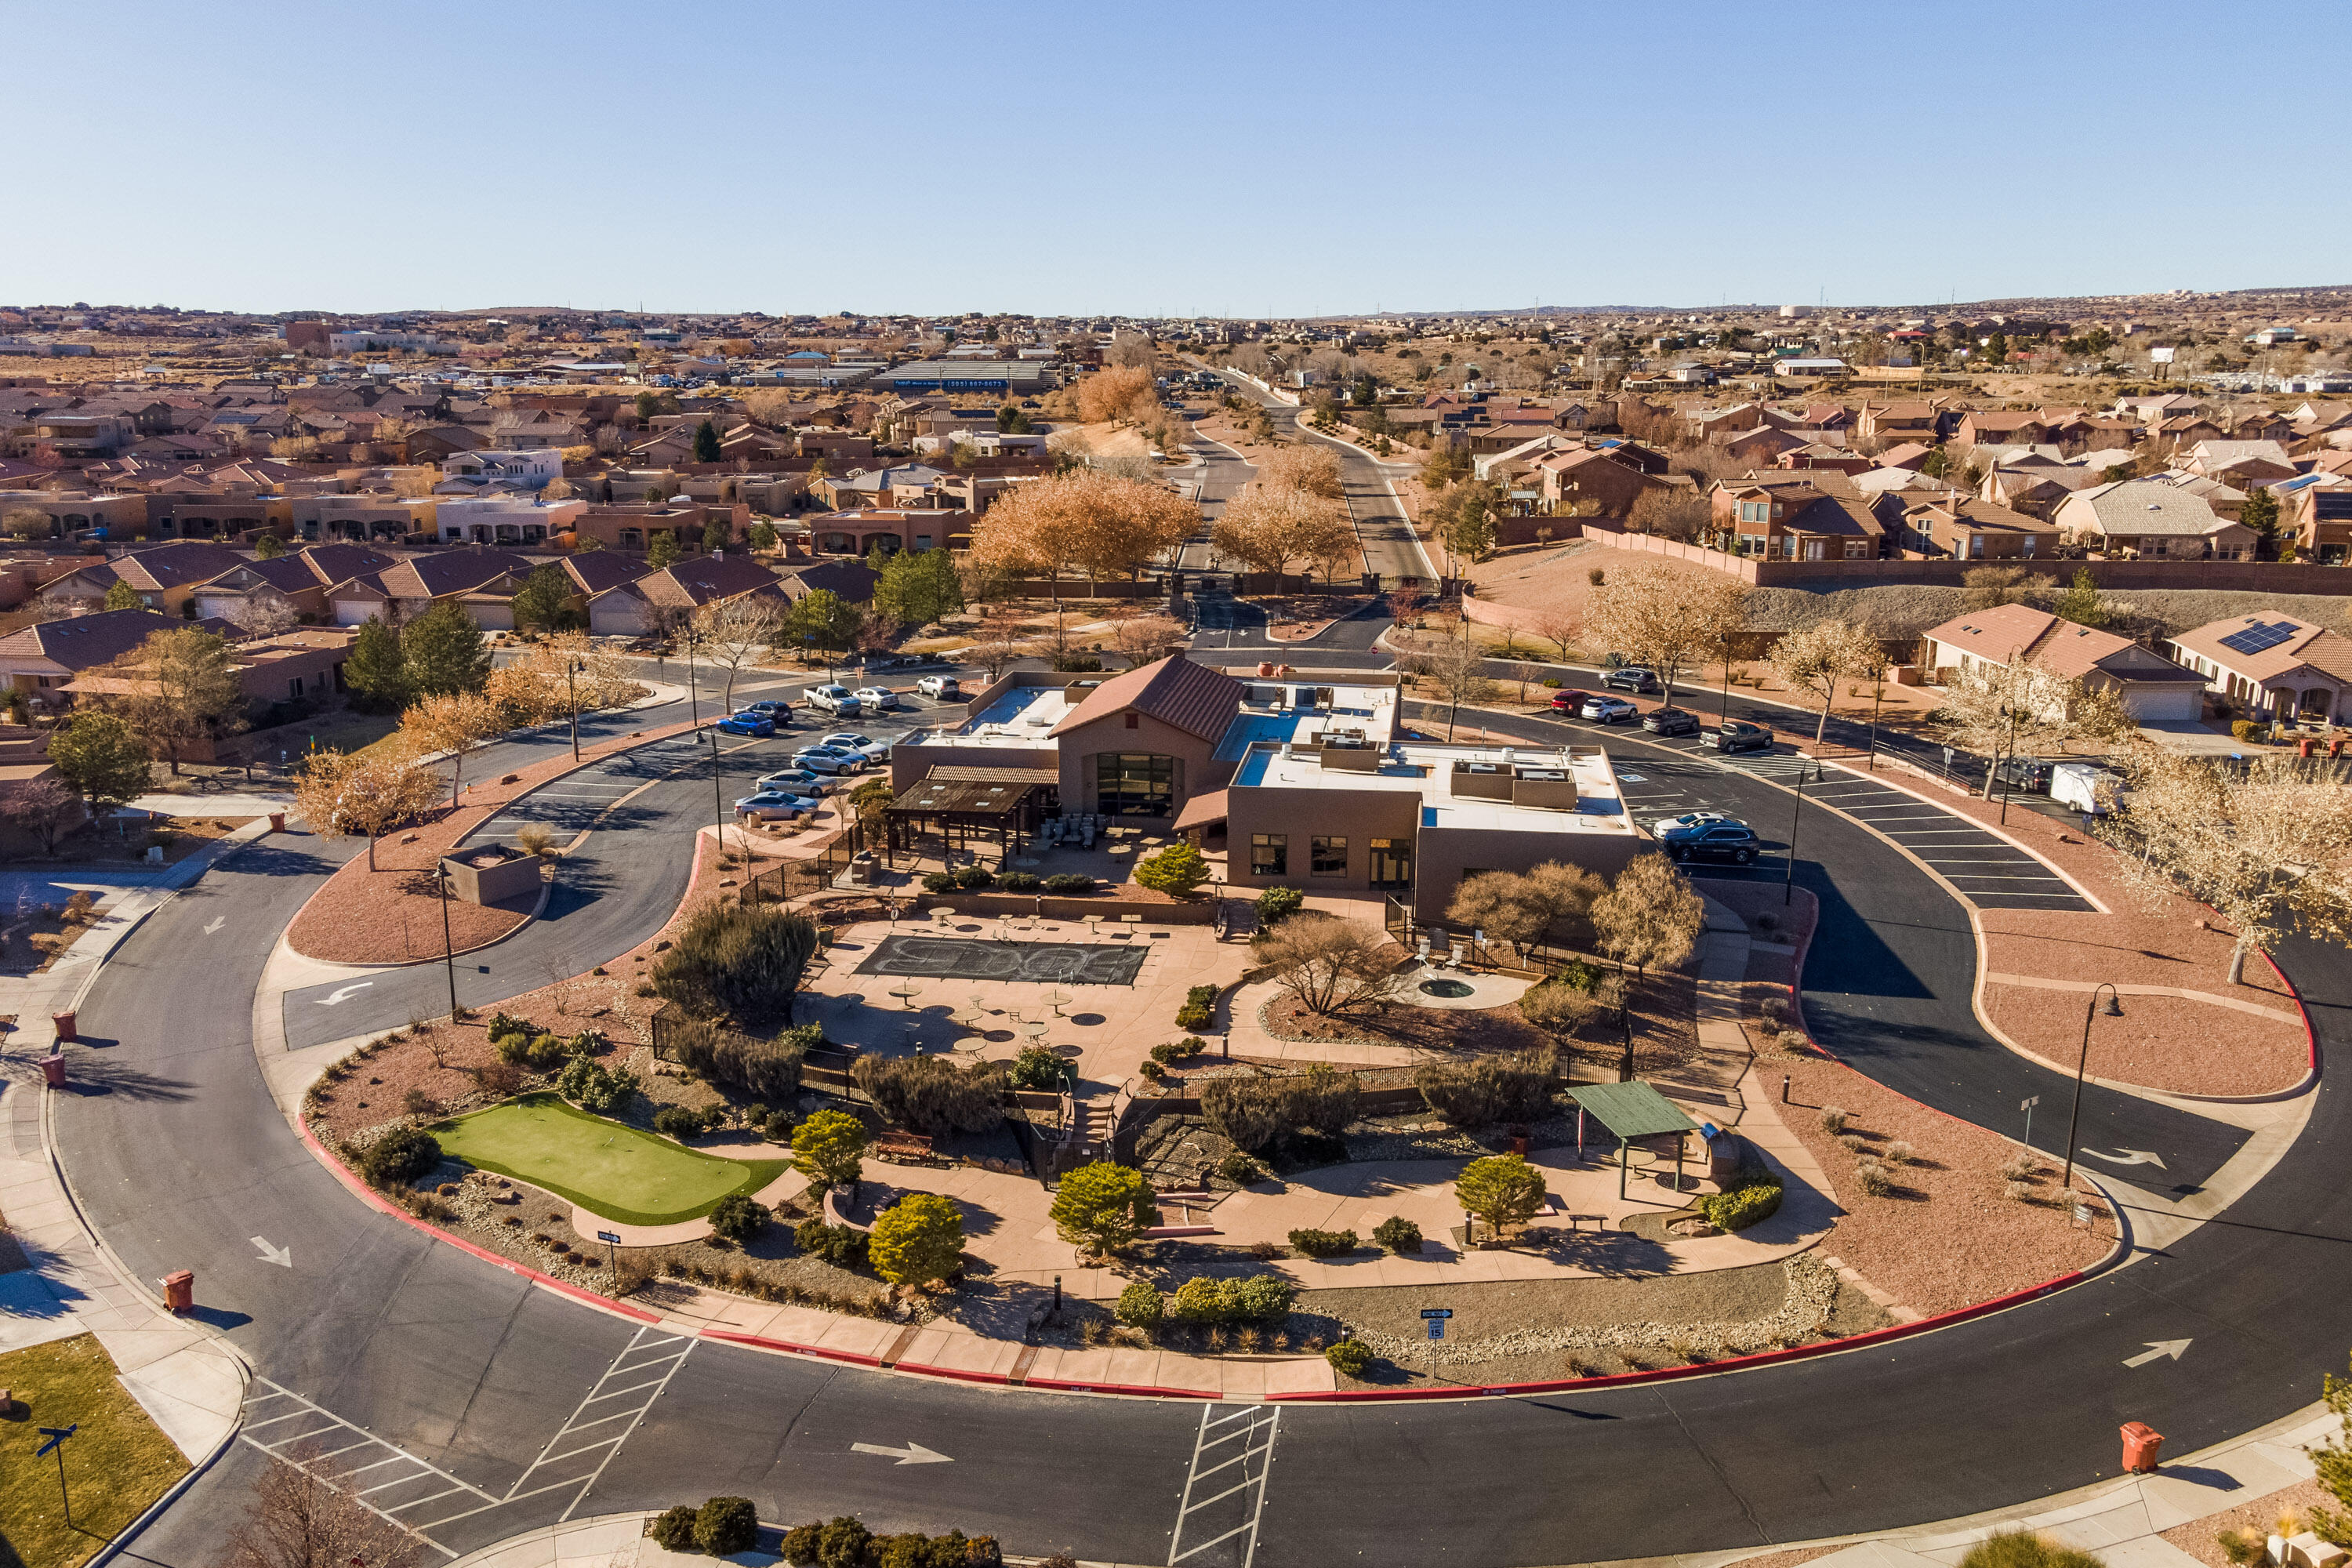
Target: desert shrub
column 1834, row 1121
column 1324, row 1099
column 2018, row 1192
column 1020, row 882
column 1323, row 1243
column 778, row 1126
column 765, row 1069
column 840, row 1245
column 939, row 881
column 1200, row 1006
column 1349, row 1358
column 677, row 1121
column 799, row 1545
column 1397, row 1235
column 1201, row 1300
column 972, row 878
column 1102, row 1206
column 1276, row 905
column 673, row 1528
column 416, row 1103
column 1248, row 1112
column 842, row 1542
column 1240, row 1169
column 931, row 1094
column 726, row 1525
column 1305, row 1146
column 1141, row 1306
column 1261, row 1298
column 498, row 1079
column 1901, row 1153
column 739, row 1218
column 1875, row 1179
column 400, row 1158
column 1488, row 1090
column 1036, row 1067
column 1742, row 1206
column 2245, row 729
column 2243, row 1548
column 2021, row 1168
column 1069, row 882
column 738, row 962
column 1153, row 1071
column 533, row 1051
column 918, row 1240
column 597, row 1090
column 2023, row 1549
column 1169, row 1051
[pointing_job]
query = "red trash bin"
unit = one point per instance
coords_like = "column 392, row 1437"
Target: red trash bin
column 65, row 1025
column 2143, row 1445
column 277, row 822
column 180, row 1289
column 52, row 1070
column 2303, row 747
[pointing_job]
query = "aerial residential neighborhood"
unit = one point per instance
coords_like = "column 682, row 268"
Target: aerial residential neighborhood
column 1272, row 789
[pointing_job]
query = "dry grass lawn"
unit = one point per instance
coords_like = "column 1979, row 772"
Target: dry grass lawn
column 117, row 1465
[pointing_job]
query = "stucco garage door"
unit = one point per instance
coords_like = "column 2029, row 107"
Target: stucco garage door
column 2183, row 701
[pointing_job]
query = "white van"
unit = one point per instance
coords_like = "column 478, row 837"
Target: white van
column 2090, row 789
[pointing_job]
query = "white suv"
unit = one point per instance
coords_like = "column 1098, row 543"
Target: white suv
column 941, row 688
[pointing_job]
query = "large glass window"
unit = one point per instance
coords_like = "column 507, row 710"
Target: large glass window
column 1269, row 855
column 1134, row 784
column 1328, row 857
column 1391, row 863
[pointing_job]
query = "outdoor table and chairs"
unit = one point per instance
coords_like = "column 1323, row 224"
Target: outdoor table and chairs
column 907, row 991
column 1057, row 1000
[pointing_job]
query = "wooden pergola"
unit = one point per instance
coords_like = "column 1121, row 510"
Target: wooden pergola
column 1632, row 1112
column 964, row 804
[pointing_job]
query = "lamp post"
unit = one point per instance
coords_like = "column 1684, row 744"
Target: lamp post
column 2075, row 1116
column 718, row 794
column 1789, row 877
column 448, row 944
column 571, row 667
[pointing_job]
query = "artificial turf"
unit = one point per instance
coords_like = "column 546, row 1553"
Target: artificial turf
column 116, row 1465
column 607, row 1169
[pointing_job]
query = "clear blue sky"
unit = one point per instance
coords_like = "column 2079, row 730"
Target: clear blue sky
column 1272, row 158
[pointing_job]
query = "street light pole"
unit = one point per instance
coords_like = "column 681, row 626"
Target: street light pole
column 572, row 694
column 2075, row 1116
column 718, row 794
column 1789, row 877
column 448, row 944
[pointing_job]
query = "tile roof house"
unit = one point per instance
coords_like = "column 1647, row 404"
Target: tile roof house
column 2242, row 463
column 2268, row 662
column 1814, row 514
column 45, row 657
column 2150, row 519
column 2154, row 688
column 483, row 581
column 1964, row 528
column 162, row 575
column 644, row 605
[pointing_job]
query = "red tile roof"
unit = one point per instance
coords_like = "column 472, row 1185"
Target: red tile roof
column 1185, row 696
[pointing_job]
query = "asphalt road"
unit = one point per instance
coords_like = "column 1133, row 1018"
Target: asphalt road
column 1391, row 547
column 181, row 1159
column 1221, row 474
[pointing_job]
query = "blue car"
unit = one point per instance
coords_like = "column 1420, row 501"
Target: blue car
column 749, row 724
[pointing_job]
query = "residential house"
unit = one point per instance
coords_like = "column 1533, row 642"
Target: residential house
column 1997, row 427
column 2153, row 687
column 894, row 529
column 2180, row 433
column 1818, row 455
column 1584, row 482
column 2148, row 519
column 504, row 520
column 2268, row 663
column 1806, row 516
column 1761, row 445
column 643, row 606
column 524, row 468
column 2320, row 523
column 2242, row 463
column 1897, row 422
column 1911, row 455
column 482, row 579
column 164, row 576
column 1964, row 528
column 42, row 659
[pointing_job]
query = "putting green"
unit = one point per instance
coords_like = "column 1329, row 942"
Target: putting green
column 610, row 1170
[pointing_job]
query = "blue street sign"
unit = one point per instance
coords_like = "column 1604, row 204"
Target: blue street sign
column 1436, row 1328
column 608, row 1235
column 55, row 1435
column 1438, row 1312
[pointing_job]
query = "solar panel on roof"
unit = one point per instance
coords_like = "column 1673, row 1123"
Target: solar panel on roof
column 2260, row 635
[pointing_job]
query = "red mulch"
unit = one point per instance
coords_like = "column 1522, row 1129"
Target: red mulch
column 2170, row 1044
column 391, row 914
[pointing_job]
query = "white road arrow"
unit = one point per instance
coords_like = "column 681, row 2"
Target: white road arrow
column 344, row 992
column 2125, row 1157
column 218, row 921
column 284, row 1255
column 2158, row 1349
column 912, row 1454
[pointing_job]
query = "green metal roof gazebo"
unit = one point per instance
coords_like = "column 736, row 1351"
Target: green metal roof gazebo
column 1630, row 1111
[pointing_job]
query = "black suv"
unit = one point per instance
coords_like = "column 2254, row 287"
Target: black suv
column 1670, row 722
column 1737, row 736
column 1732, row 841
column 1633, row 677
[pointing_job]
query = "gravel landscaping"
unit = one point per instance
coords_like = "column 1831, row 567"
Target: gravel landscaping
column 2200, row 1538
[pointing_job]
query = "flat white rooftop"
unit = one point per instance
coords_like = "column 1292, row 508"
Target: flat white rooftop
column 1429, row 772
column 1279, row 711
column 1022, row 718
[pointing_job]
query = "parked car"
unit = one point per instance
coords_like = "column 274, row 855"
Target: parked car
column 1633, row 677
column 2028, row 774
column 773, row 804
column 1737, row 736
column 796, row 781
column 777, row 711
column 941, row 688
column 1727, row 840
column 1609, row 711
column 837, row 701
column 749, row 724
column 871, row 750
column 829, row 759
column 1671, row 721
column 1663, row 823
column 880, row 699
column 2087, row 787
column 1568, row 700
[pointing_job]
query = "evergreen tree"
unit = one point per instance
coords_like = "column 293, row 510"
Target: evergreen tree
column 100, row 760
column 2261, row 511
column 444, row 652
column 706, row 442
column 920, row 587
column 824, row 616
column 270, row 547
column 647, row 406
column 2080, row 602
column 717, row 534
column 763, row 535
column 375, row 671
column 121, row 596
column 545, row 602
column 661, row 550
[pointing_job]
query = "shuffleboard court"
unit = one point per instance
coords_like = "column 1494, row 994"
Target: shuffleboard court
column 958, row 958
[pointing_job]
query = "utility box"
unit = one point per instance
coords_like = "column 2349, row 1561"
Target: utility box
column 492, row 874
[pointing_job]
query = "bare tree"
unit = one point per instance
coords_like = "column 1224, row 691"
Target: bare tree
column 2269, row 849
column 1329, row 965
column 2007, row 709
column 339, row 793
column 454, row 723
column 1146, row 639
column 1649, row 919
column 734, row 630
column 263, row 617
column 1815, row 659
column 47, row 809
column 1456, row 666
column 1559, row 628
column 1673, row 622
column 298, row 1520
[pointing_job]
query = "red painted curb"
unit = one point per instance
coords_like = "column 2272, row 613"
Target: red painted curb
column 1675, row 1373
column 758, row 1342
column 957, row 1373
column 368, row 1194
column 1132, row 1390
